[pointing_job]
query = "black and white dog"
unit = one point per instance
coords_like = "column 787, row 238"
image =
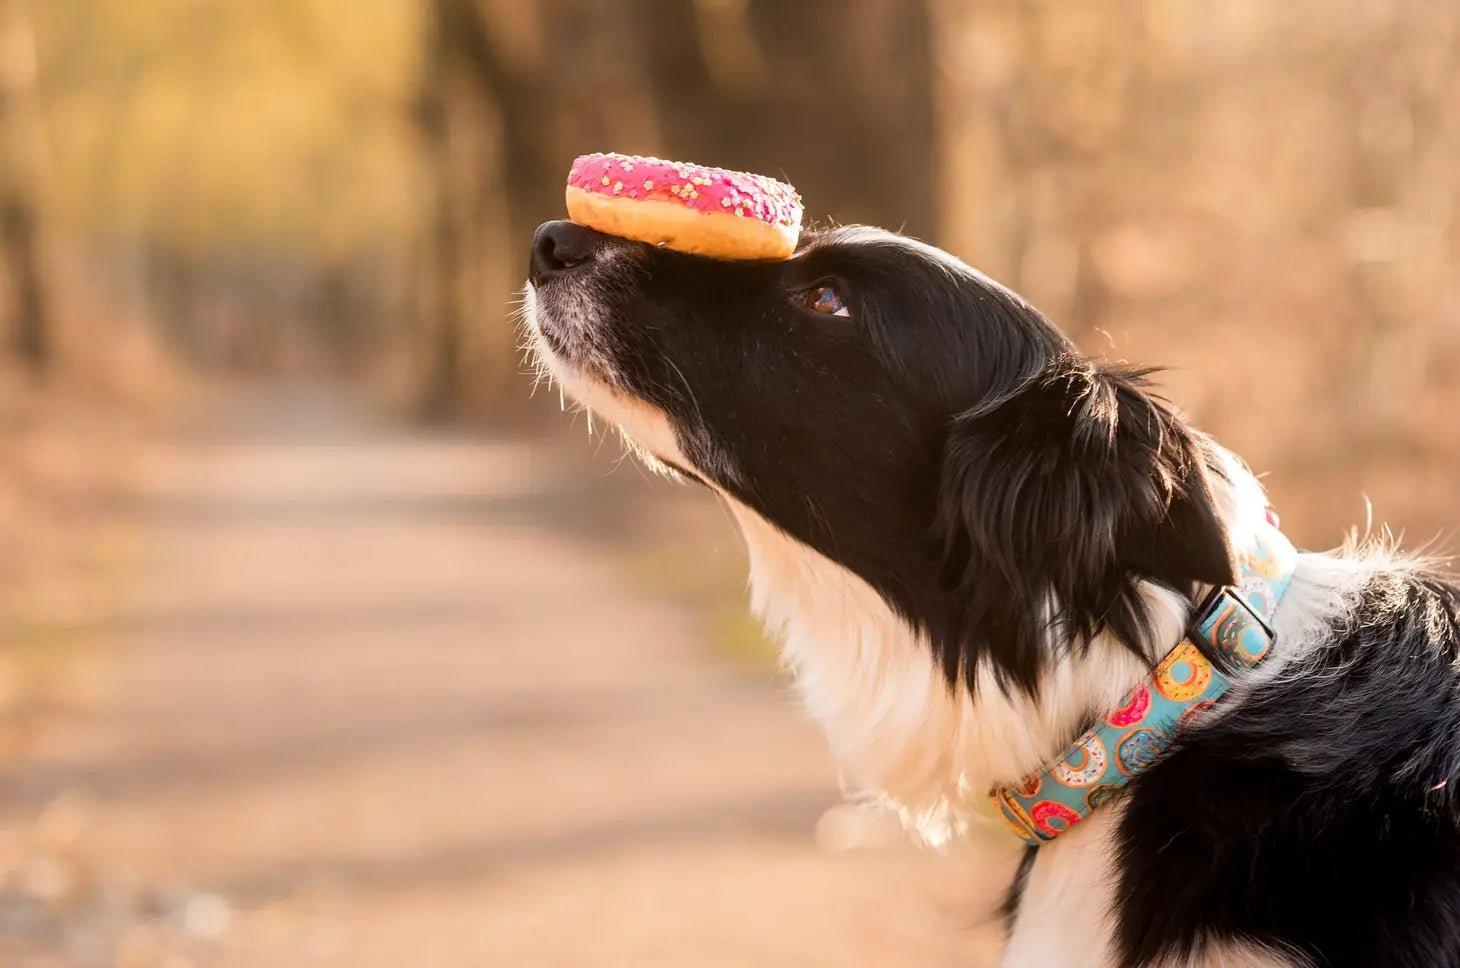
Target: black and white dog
column 973, row 540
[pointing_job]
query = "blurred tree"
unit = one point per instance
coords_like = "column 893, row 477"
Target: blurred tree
column 1036, row 102
column 835, row 97
column 225, row 162
column 512, row 91
column 20, row 201
column 507, row 88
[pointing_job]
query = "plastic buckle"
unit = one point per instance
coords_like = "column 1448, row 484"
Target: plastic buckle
column 1218, row 602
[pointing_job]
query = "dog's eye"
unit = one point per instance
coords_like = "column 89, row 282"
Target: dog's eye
column 826, row 299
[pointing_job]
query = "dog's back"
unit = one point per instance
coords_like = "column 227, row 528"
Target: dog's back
column 1321, row 811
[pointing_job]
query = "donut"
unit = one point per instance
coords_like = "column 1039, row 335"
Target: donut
column 689, row 208
column 1102, row 795
column 1029, row 785
column 1053, row 818
column 1184, row 674
column 1138, row 749
column 1084, row 764
column 1133, row 711
column 1195, row 712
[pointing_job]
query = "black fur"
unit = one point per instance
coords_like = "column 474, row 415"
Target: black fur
column 1009, row 906
column 1319, row 815
column 1072, row 490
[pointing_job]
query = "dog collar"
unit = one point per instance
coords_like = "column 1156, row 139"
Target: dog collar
column 1232, row 625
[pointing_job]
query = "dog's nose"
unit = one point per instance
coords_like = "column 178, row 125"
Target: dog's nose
column 559, row 246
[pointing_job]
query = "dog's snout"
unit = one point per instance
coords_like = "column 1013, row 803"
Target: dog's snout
column 559, row 247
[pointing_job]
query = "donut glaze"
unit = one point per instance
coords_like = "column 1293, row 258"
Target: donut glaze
column 690, row 208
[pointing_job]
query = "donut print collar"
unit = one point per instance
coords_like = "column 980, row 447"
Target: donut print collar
column 1233, row 623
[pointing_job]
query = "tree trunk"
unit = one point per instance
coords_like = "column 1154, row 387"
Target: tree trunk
column 461, row 167
column 504, row 108
column 20, row 210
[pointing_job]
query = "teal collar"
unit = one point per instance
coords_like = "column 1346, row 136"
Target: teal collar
column 1233, row 622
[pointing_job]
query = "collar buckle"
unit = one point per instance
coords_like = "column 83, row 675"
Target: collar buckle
column 1231, row 628
column 1228, row 629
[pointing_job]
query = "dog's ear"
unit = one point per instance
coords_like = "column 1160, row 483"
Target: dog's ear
column 1055, row 502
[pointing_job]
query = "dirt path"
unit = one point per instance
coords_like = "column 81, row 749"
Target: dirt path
column 377, row 700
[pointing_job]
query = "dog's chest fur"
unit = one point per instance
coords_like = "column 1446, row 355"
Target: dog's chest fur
column 897, row 730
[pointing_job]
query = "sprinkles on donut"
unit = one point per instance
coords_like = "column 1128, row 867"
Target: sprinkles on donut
column 690, row 208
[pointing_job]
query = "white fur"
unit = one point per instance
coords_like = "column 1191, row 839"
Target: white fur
column 1064, row 916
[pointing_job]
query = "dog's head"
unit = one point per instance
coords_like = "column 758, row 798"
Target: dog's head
column 903, row 415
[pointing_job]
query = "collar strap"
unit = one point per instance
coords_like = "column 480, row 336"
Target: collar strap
column 1232, row 625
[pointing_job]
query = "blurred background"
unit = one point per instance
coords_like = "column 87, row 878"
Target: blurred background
column 325, row 642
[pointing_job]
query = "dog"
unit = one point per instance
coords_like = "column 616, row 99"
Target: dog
column 973, row 541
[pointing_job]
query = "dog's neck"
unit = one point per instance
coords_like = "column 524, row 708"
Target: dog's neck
column 899, row 733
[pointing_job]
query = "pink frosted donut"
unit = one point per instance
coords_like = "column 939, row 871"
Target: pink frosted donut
column 690, row 208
